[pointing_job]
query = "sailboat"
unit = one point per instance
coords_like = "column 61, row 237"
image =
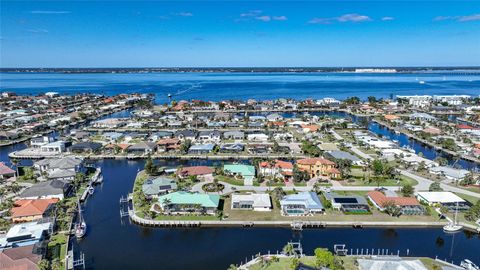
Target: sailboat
column 81, row 226
column 453, row 226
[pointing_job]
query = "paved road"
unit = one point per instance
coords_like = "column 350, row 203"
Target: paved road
column 424, row 184
column 230, row 188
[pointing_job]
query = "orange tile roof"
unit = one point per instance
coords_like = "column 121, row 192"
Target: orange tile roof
column 278, row 164
column 380, row 199
column 31, row 207
column 195, row 170
column 391, row 117
column 168, row 141
column 313, row 161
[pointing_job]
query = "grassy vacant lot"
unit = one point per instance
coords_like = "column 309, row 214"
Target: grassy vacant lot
column 57, row 247
column 356, row 179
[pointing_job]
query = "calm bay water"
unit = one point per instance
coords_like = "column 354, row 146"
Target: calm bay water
column 113, row 243
column 221, row 86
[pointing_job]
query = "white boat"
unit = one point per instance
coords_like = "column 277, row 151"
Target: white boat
column 453, row 226
column 91, row 190
column 81, row 226
column 97, row 177
column 469, row 265
column 421, row 82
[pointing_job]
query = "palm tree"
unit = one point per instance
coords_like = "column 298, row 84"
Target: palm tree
column 15, row 187
column 15, row 162
column 289, row 250
column 166, row 202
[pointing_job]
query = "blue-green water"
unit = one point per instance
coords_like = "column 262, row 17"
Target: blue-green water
column 262, row 86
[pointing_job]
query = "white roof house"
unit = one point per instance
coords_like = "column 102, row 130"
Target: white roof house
column 449, row 172
column 439, row 197
column 256, row 202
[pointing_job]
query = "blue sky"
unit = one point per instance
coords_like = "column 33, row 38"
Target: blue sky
column 247, row 33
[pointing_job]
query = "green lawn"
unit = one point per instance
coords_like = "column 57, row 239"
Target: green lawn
column 356, row 179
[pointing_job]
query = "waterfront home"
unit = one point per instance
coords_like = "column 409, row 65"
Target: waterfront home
column 85, row 147
column 47, row 190
column 30, row 210
column 443, row 198
column 209, row 136
column 337, row 154
column 422, row 117
column 22, row 257
column 310, row 128
column 112, row 136
column 319, row 167
column 276, row 168
column 201, row 148
column 449, row 173
column 168, row 144
column 159, row 135
column 135, row 136
column 184, row 135
column 348, row 203
column 181, row 202
column 25, row 234
column 418, row 101
column 54, row 147
column 257, row 137
column 232, row 148
column 60, row 168
column 234, row 135
column 391, row 117
column 109, row 123
column 407, row 205
column 246, row 172
column 415, row 160
column 198, row 171
column 6, row 172
column 274, row 117
column 39, row 141
column 154, row 187
column 301, row 204
column 254, row 201
column 8, row 135
column 142, row 148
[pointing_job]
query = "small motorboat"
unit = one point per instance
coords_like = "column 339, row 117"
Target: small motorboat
column 421, row 82
column 91, row 190
column 80, row 229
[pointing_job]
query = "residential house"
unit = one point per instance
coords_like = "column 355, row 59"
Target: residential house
column 319, row 167
column 142, row 148
column 161, row 135
column 47, row 190
column 6, row 172
column 257, row 137
column 209, row 136
column 276, row 168
column 422, row 117
column 168, row 144
column 24, row 234
column 54, row 147
column 154, row 187
column 450, row 173
column 200, row 149
column 22, row 257
column 234, row 135
column 61, row 168
column 85, row 147
column 253, row 201
column 232, row 148
column 112, row 136
column 184, row 135
column 407, row 205
column 198, row 171
column 181, row 202
column 30, row 210
column 443, row 198
column 348, row 203
column 337, row 154
column 39, row 141
column 8, row 135
column 247, row 172
column 301, row 204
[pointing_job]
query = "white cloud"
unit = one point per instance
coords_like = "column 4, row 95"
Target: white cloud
column 353, row 17
column 388, row 18
column 467, row 18
column 38, row 31
column 184, row 14
column 280, row 18
column 264, row 18
column 50, row 12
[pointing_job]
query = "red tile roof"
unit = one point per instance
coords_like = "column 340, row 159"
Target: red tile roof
column 19, row 258
column 278, row 164
column 380, row 199
column 195, row 170
column 4, row 169
column 313, row 161
column 31, row 207
column 462, row 126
